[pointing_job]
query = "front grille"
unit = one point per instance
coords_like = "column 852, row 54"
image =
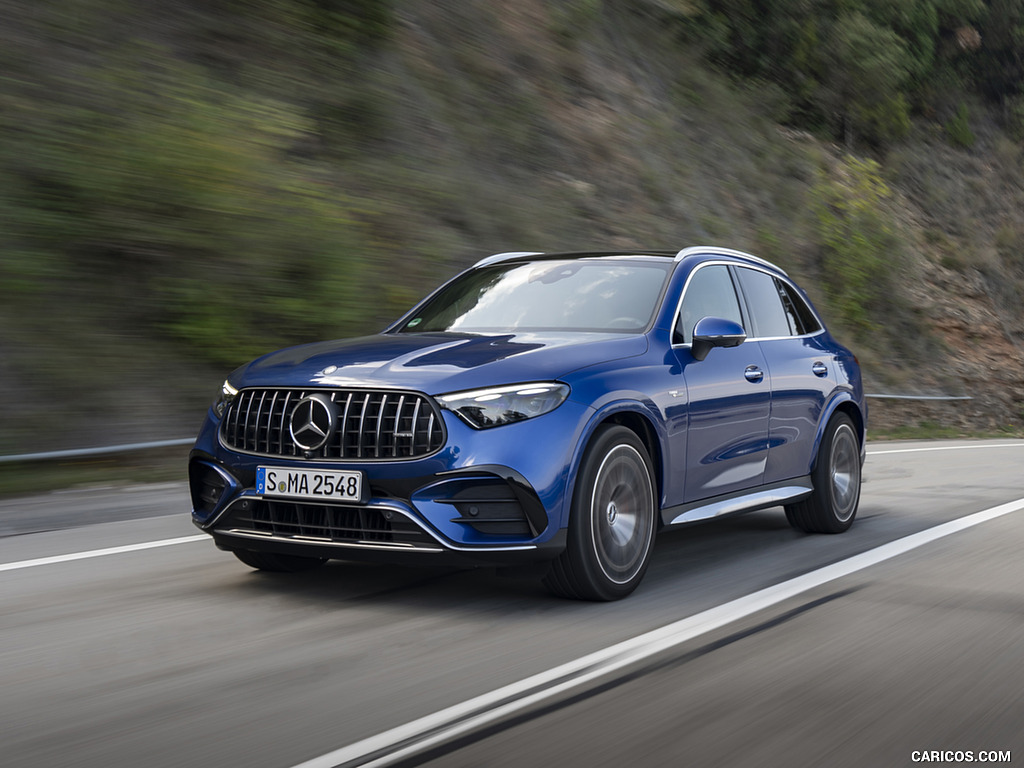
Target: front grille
column 319, row 522
column 371, row 424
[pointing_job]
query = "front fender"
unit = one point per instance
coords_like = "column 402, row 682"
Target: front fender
column 633, row 409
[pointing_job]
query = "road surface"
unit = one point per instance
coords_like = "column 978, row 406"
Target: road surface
column 177, row 654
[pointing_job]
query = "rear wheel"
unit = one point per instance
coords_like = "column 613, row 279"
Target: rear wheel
column 832, row 505
column 611, row 522
column 275, row 563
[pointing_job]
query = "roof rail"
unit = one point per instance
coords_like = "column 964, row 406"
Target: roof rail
column 712, row 250
column 503, row 256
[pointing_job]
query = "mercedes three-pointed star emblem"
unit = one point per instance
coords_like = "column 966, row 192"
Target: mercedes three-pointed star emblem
column 312, row 422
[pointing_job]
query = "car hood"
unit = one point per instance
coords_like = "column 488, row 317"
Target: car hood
column 437, row 363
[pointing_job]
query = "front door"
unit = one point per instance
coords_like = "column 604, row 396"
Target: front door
column 729, row 402
column 728, row 395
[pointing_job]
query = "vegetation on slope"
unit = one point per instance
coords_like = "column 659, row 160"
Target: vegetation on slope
column 188, row 184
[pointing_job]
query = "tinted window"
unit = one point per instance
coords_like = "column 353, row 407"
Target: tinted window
column 709, row 294
column 579, row 295
column 768, row 315
column 804, row 318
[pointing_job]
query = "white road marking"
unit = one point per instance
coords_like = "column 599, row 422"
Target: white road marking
column 982, row 446
column 100, row 552
column 404, row 741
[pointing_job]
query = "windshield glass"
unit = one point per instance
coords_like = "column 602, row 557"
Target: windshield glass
column 615, row 296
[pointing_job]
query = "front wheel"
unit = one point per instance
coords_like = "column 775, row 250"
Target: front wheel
column 832, row 505
column 612, row 520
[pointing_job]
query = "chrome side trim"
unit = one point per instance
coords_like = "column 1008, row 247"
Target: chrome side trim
column 752, row 501
column 716, row 251
column 688, row 345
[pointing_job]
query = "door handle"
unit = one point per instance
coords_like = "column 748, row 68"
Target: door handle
column 819, row 369
column 753, row 374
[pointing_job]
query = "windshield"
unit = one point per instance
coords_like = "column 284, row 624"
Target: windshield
column 615, row 296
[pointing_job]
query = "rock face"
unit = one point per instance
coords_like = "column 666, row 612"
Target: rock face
column 979, row 355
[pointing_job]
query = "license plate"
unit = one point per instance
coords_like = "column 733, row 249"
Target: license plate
column 318, row 484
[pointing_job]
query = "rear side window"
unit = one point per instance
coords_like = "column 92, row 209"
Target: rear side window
column 776, row 309
column 768, row 314
column 710, row 293
column 806, row 322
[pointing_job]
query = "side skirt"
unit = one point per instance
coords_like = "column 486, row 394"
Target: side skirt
column 747, row 501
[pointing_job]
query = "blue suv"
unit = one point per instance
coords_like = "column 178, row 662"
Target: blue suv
column 551, row 410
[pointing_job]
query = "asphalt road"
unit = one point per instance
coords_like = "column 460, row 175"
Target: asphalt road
column 178, row 655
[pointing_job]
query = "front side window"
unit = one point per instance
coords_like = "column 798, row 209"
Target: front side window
column 602, row 295
column 710, row 293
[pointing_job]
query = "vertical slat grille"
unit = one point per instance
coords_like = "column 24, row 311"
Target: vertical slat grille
column 369, row 424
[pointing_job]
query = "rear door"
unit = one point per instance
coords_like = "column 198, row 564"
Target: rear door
column 802, row 372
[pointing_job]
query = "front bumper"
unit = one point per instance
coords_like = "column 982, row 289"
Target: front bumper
column 489, row 496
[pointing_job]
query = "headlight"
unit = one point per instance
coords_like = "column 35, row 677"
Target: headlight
column 227, row 394
column 483, row 408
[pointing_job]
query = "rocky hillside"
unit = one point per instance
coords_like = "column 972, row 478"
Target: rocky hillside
column 185, row 186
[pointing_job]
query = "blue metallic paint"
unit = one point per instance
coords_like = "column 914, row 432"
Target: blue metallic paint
column 714, row 432
column 438, row 363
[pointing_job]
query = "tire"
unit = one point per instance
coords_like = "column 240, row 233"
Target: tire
column 832, row 505
column 275, row 563
column 612, row 520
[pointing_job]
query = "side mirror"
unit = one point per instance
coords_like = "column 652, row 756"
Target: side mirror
column 711, row 332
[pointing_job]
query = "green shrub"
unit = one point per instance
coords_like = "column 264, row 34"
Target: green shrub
column 857, row 241
column 1013, row 108
column 868, row 66
column 885, row 120
column 192, row 196
column 958, row 128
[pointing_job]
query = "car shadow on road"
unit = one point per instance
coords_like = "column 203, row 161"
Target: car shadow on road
column 697, row 556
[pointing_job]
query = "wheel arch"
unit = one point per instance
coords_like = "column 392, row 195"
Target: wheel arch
column 603, row 561
column 632, row 416
column 846, row 405
column 643, row 429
